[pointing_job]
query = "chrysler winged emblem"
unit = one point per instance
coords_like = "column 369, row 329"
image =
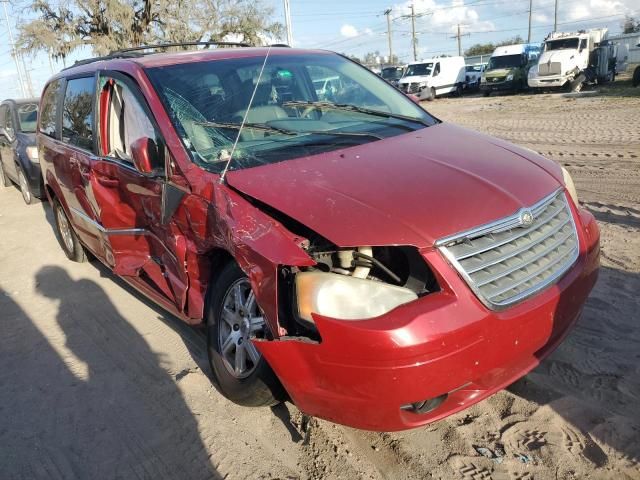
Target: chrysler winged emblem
column 526, row 218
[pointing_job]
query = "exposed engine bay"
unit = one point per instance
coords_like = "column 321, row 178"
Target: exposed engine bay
column 353, row 284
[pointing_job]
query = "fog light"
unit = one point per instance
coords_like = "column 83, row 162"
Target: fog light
column 425, row 406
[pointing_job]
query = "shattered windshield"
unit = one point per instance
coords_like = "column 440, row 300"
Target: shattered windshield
column 302, row 105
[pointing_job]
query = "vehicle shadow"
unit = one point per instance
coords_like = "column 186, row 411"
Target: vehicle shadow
column 194, row 338
column 90, row 399
column 593, row 379
column 619, row 88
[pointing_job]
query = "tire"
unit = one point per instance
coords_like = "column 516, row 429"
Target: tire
column 458, row 90
column 486, row 93
column 67, row 237
column 636, row 77
column 256, row 385
column 4, row 180
column 25, row 188
column 432, row 94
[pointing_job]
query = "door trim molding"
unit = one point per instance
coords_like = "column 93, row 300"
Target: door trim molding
column 121, row 231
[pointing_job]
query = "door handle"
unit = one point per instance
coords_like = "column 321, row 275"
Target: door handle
column 107, row 181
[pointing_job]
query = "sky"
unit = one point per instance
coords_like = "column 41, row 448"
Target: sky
column 356, row 27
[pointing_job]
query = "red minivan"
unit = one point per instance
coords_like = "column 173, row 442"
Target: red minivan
column 343, row 247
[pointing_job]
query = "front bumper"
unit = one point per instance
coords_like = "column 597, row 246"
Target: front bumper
column 363, row 372
column 497, row 86
column 547, row 82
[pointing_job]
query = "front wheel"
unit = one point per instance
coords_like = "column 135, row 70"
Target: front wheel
column 432, row 94
column 458, row 90
column 233, row 318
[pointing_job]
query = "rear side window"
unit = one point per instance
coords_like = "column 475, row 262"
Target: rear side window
column 49, row 114
column 77, row 113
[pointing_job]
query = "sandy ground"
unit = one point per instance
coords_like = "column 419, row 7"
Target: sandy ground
column 98, row 383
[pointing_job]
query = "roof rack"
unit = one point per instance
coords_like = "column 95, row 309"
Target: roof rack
column 177, row 44
column 110, row 56
column 134, row 52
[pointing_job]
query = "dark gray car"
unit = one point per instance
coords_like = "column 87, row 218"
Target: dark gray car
column 18, row 152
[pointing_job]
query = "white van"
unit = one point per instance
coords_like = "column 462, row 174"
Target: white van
column 437, row 76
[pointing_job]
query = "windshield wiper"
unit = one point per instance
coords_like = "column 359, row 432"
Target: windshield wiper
column 354, row 108
column 253, row 126
column 268, row 128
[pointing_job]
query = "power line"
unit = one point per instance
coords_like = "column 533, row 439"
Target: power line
column 458, row 37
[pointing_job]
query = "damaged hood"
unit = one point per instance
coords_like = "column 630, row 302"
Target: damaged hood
column 411, row 189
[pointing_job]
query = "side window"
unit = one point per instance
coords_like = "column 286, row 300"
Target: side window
column 436, row 69
column 122, row 120
column 49, row 114
column 77, row 113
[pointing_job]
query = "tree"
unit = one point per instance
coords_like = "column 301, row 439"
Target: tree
column 630, row 25
column 488, row 48
column 105, row 25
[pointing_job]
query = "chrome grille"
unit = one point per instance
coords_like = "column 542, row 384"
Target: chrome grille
column 505, row 262
column 413, row 87
column 550, row 68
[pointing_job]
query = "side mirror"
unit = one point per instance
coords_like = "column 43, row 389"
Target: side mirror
column 146, row 155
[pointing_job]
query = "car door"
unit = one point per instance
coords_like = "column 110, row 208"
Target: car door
column 73, row 156
column 7, row 140
column 127, row 205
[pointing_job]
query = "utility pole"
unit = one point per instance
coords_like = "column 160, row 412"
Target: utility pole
column 13, row 49
column 387, row 12
column 27, row 77
column 459, row 36
column 51, row 63
column 530, row 10
column 287, row 21
column 413, row 34
column 555, row 17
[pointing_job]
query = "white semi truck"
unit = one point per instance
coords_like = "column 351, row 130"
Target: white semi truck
column 575, row 58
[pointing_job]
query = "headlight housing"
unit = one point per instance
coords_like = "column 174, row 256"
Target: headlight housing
column 32, row 153
column 568, row 182
column 346, row 298
column 509, row 77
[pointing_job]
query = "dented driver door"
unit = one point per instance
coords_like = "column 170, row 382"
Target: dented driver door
column 141, row 242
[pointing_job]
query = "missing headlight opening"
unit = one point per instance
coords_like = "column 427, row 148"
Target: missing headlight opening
column 352, row 284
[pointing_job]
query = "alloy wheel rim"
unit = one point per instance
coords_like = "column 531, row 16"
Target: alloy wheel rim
column 24, row 188
column 240, row 319
column 65, row 229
